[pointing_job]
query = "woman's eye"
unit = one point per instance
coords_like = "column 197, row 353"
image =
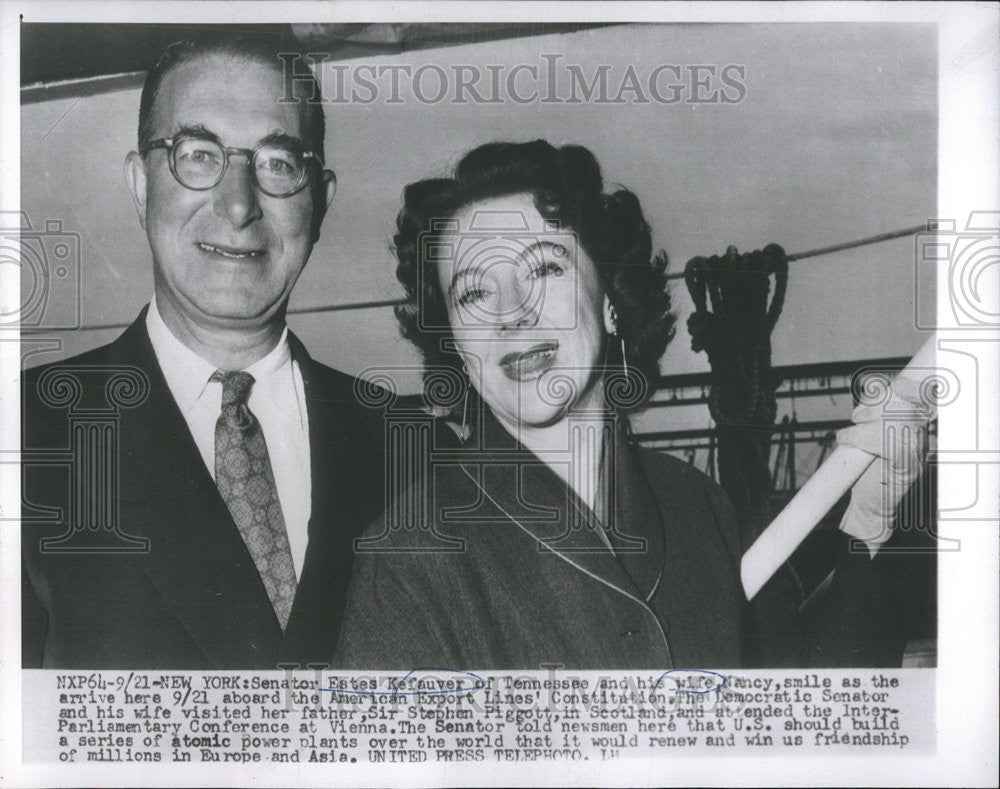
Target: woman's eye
column 471, row 295
column 548, row 269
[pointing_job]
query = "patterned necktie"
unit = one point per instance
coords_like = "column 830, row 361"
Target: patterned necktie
column 245, row 480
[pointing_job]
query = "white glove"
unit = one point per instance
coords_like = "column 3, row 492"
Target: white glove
column 896, row 433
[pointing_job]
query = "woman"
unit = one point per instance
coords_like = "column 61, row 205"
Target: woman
column 552, row 539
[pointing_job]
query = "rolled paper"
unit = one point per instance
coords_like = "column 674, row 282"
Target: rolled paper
column 832, row 480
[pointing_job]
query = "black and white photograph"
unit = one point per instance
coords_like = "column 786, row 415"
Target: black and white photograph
column 527, row 393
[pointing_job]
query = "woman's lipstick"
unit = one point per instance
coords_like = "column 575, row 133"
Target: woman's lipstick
column 529, row 364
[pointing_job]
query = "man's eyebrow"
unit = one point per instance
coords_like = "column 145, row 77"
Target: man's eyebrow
column 281, row 138
column 202, row 131
column 197, row 130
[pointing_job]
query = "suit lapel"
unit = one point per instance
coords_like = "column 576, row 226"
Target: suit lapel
column 197, row 559
column 311, row 633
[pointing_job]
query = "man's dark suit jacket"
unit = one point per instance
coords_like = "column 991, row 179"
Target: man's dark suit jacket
column 545, row 590
column 193, row 599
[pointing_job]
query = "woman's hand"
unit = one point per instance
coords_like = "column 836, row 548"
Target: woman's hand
column 895, row 431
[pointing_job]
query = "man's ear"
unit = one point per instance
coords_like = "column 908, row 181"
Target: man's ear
column 323, row 197
column 330, row 186
column 610, row 317
column 135, row 177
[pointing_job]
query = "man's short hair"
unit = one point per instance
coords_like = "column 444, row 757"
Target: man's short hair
column 263, row 48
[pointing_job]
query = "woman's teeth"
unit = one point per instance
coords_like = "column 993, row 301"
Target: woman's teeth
column 531, row 363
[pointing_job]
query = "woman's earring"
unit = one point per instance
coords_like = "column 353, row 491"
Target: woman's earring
column 614, row 322
column 465, row 401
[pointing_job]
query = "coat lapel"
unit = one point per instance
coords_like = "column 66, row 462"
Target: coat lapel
column 196, row 559
column 636, row 531
column 698, row 597
column 533, row 496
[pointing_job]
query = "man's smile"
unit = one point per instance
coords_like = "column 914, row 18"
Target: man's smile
column 234, row 253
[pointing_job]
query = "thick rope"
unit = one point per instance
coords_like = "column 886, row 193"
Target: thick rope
column 736, row 335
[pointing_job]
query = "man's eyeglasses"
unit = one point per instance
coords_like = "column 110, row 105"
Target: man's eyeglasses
column 200, row 163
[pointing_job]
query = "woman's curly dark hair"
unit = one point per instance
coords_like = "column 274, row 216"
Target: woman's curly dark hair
column 567, row 188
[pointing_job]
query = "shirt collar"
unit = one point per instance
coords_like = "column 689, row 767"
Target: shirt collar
column 265, row 369
column 188, row 374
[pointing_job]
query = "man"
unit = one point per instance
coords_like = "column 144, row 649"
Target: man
column 244, row 468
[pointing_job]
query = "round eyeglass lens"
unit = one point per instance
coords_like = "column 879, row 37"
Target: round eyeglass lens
column 279, row 171
column 198, row 163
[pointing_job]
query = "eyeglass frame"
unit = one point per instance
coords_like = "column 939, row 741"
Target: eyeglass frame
column 168, row 144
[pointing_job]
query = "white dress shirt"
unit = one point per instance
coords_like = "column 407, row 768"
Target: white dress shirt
column 277, row 400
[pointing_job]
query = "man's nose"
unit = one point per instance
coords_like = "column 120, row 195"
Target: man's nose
column 236, row 198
